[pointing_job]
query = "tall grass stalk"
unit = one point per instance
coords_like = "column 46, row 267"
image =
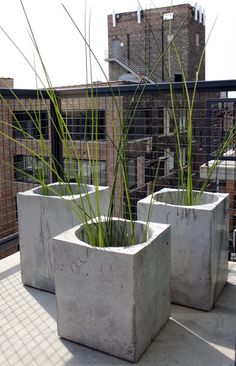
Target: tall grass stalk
column 186, row 183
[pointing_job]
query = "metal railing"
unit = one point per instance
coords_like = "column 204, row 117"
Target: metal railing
column 150, row 141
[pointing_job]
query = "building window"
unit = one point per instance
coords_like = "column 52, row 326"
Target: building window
column 168, row 16
column 86, row 125
column 132, row 173
column 155, row 166
column 183, row 156
column 197, row 40
column 141, row 124
column 170, row 121
column 85, row 170
column 161, row 171
column 182, row 120
column 161, row 163
column 30, row 124
column 30, row 169
column 115, row 48
column 160, row 120
column 70, row 169
column 178, row 117
column 178, row 77
column 148, row 173
column 170, row 160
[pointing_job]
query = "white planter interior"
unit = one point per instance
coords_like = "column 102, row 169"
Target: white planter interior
column 114, row 299
column 199, row 252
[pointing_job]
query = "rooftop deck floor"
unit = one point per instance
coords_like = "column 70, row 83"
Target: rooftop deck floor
column 28, row 331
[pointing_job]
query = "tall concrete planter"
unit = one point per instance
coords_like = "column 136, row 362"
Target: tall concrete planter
column 199, row 236
column 40, row 218
column 113, row 299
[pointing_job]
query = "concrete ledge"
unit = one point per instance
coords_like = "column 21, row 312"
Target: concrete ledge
column 225, row 170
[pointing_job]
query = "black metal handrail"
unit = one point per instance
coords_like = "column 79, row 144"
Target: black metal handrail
column 207, row 86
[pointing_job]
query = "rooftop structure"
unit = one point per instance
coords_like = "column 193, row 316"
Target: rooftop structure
column 139, row 44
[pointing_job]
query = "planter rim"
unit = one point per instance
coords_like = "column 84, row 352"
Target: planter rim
column 33, row 191
column 205, row 206
column 71, row 237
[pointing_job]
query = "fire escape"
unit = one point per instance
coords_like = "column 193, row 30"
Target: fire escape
column 140, row 73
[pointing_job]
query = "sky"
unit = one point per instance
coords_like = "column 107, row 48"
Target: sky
column 62, row 47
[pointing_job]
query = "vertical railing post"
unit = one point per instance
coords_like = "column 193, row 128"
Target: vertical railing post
column 162, row 50
column 56, row 141
column 208, row 131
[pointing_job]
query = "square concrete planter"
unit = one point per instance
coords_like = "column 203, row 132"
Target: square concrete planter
column 199, row 251
column 114, row 299
column 40, row 218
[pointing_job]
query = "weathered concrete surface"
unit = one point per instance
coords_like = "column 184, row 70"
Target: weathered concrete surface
column 225, row 170
column 42, row 217
column 29, row 330
column 199, row 250
column 113, row 299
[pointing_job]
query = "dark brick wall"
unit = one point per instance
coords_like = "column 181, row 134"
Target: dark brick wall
column 5, row 251
column 148, row 41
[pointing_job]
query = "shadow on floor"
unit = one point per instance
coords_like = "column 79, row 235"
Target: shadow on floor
column 175, row 345
column 46, row 299
column 9, row 272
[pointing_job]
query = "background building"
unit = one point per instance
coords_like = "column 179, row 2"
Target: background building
column 138, row 44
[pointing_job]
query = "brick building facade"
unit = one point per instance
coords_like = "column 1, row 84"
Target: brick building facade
column 138, row 42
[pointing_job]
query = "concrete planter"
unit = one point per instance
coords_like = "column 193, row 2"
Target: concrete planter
column 41, row 217
column 199, row 236
column 114, row 299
